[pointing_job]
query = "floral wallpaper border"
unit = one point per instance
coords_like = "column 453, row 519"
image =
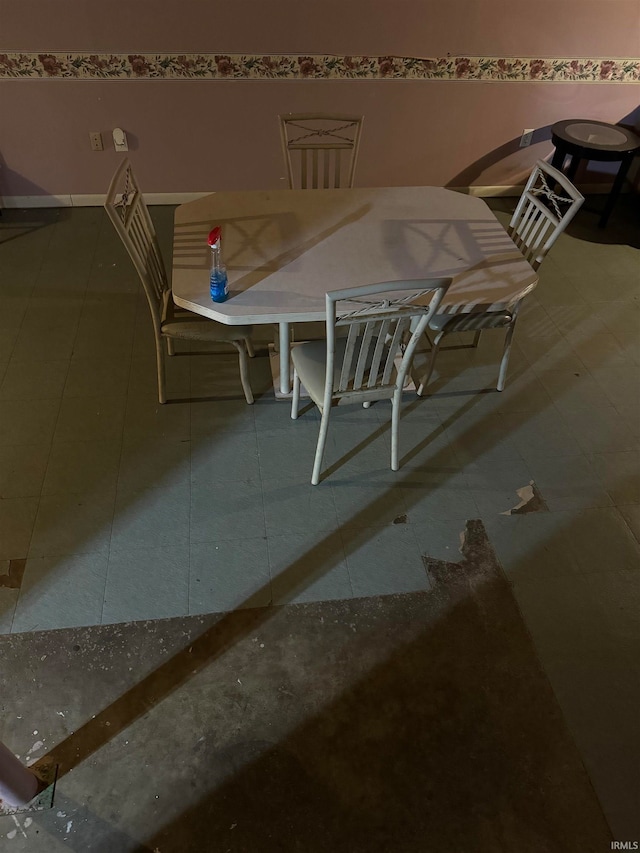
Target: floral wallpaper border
column 84, row 66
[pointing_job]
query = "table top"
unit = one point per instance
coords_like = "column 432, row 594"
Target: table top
column 596, row 135
column 285, row 248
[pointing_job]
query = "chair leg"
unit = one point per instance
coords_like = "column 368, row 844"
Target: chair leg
column 170, row 347
column 428, row 340
column 244, row 371
column 435, row 347
column 162, row 394
column 249, row 346
column 476, row 338
column 295, row 396
column 504, row 364
column 395, row 424
column 322, row 440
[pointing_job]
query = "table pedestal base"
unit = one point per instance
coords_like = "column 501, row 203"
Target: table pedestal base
column 274, row 362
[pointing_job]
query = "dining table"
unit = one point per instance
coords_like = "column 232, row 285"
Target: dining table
column 284, row 249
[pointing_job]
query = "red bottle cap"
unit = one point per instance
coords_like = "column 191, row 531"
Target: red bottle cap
column 214, row 235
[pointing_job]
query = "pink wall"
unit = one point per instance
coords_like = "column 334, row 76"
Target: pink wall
column 376, row 27
column 189, row 136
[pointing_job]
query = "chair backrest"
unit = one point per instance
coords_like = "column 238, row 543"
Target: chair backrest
column 541, row 215
column 384, row 321
column 128, row 213
column 320, row 150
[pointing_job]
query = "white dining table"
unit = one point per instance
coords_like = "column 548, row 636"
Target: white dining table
column 284, row 249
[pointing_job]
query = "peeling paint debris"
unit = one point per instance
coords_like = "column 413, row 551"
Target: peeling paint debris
column 36, row 746
column 13, row 577
column 463, row 539
column 531, row 500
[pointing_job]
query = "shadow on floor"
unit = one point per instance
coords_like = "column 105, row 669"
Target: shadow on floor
column 404, row 723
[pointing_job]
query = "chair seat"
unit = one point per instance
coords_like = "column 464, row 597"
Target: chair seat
column 470, row 322
column 195, row 328
column 310, row 359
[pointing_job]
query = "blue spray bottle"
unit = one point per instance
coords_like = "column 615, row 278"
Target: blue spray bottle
column 218, row 283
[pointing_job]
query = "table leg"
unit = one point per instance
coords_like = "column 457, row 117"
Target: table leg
column 558, row 158
column 285, row 379
column 573, row 166
column 615, row 190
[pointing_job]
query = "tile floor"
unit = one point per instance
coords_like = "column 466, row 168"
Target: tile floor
column 127, row 510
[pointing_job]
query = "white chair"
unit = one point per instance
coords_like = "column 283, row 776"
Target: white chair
column 320, row 149
column 541, row 215
column 128, row 213
column 372, row 361
column 320, row 152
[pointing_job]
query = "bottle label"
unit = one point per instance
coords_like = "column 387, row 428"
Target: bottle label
column 219, row 286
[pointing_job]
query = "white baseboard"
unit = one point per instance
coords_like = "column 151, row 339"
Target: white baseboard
column 14, row 201
column 88, row 200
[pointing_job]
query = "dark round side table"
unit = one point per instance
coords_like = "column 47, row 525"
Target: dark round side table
column 585, row 139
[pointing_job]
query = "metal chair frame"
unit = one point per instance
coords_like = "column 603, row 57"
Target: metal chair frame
column 362, row 366
column 130, row 216
column 541, row 215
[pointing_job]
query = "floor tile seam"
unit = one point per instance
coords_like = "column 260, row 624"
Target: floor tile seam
column 90, row 247
column 464, row 461
column 190, row 578
column 264, row 534
column 86, row 493
column 605, row 387
column 198, row 611
column 284, row 529
column 609, row 455
column 568, row 363
column 40, row 495
column 587, row 340
column 546, row 315
column 261, row 481
column 468, row 493
column 35, row 278
column 581, row 455
column 590, row 445
column 582, row 407
column 115, row 501
column 347, row 526
column 620, row 333
column 625, row 522
column 104, row 586
column 622, row 504
column 270, row 573
column 13, row 615
column 418, row 550
column 271, row 565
